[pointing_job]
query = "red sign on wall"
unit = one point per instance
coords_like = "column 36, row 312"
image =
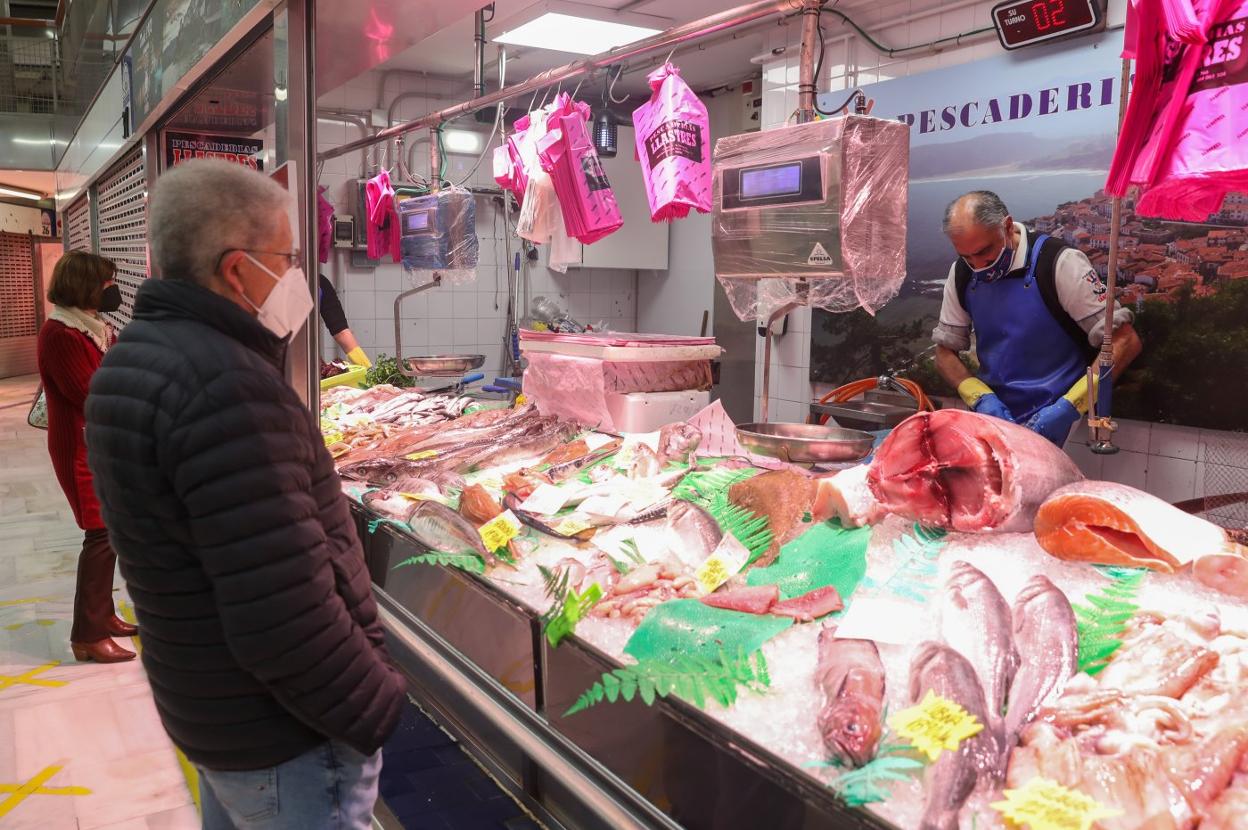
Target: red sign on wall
column 180, row 147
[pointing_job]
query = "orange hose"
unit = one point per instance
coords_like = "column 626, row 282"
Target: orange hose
column 855, row 388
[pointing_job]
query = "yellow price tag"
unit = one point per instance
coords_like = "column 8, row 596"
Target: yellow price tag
column 1042, row 804
column 332, row 438
column 521, row 400
column 728, row 558
column 500, row 530
column 422, row 455
column 572, row 526
column 935, row 724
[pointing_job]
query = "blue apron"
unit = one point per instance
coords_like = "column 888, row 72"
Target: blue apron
column 1025, row 355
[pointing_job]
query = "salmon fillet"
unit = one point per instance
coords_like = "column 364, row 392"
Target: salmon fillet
column 1113, row 524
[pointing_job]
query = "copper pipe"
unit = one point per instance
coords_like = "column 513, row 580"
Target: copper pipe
column 806, row 80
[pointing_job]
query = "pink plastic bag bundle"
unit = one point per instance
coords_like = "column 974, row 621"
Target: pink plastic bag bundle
column 1183, row 141
column 673, row 137
column 567, row 153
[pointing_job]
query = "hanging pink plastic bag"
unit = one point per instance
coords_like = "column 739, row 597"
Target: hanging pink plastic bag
column 567, row 153
column 673, row 137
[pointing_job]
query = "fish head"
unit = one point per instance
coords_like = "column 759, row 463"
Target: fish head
column 851, row 729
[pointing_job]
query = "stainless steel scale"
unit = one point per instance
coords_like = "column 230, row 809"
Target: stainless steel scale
column 779, row 200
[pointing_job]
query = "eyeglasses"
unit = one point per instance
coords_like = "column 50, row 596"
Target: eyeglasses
column 291, row 257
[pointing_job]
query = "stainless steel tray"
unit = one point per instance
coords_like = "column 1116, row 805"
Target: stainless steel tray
column 443, row 365
column 805, row 443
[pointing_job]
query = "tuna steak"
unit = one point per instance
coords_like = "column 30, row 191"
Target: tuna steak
column 810, row 605
column 851, row 677
column 847, row 497
column 753, row 600
column 962, row 471
column 1113, row 524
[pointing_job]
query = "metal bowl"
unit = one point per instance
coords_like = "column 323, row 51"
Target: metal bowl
column 806, row 443
column 443, row 365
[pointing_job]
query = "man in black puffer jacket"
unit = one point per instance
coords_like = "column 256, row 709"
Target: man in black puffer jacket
column 260, row 633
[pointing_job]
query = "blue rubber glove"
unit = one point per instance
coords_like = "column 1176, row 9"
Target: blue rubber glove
column 990, row 404
column 1054, row 421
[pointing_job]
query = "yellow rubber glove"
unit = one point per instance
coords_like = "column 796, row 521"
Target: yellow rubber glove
column 971, row 390
column 1078, row 394
column 358, row 357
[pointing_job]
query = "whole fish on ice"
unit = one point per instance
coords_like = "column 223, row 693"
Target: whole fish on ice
column 1048, row 646
column 850, row 675
column 440, row 528
column 975, row 622
column 955, row 774
column 962, row 471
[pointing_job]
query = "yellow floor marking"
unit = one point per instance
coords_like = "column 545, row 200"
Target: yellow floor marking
column 29, row 679
column 188, row 769
column 7, row 602
column 16, row 626
column 20, row 792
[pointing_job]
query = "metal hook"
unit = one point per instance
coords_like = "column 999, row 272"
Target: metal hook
column 668, row 59
column 578, row 88
column 533, row 100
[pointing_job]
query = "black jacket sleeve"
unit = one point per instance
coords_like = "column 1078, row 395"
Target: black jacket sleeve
column 332, row 315
column 268, row 521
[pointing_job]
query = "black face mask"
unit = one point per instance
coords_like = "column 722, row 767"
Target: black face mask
column 110, row 300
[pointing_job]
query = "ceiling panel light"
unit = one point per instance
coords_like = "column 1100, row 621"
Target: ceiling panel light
column 581, row 30
column 6, row 190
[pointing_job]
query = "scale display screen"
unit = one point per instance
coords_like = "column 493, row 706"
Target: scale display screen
column 776, row 180
column 1023, row 23
column 416, row 221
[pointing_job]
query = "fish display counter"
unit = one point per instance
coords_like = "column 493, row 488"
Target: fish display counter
column 665, row 631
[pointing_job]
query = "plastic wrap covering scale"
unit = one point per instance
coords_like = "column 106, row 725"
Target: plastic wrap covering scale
column 122, row 195
column 812, row 214
column 439, row 234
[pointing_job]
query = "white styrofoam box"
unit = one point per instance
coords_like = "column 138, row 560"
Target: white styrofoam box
column 648, row 411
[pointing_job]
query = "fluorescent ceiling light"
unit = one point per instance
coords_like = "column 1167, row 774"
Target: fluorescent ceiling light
column 38, row 142
column 6, row 190
column 582, row 30
column 461, row 141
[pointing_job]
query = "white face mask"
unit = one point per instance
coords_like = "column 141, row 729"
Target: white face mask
column 289, row 303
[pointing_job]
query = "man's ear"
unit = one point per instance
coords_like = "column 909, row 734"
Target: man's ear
column 230, row 271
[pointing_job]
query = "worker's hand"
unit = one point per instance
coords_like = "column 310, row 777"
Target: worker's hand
column 980, row 398
column 1054, row 421
column 358, row 357
column 990, row 404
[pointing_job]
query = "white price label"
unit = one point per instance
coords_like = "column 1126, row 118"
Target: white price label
column 547, row 500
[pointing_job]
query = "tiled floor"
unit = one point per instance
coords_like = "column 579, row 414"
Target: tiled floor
column 85, row 736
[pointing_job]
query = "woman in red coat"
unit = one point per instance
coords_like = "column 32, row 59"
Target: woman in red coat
column 71, row 344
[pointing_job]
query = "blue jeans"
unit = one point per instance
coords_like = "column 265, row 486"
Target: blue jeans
column 330, row 787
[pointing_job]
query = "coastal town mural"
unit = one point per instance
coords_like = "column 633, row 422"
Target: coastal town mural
column 1045, row 148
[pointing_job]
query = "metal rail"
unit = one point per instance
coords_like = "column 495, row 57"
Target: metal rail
column 686, row 32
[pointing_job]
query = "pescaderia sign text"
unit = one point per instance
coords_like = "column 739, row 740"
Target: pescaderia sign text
column 1084, row 95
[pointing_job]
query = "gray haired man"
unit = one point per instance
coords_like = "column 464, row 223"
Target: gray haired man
column 260, row 632
column 1037, row 309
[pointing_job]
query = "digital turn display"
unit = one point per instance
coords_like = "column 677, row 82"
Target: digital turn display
column 1023, row 23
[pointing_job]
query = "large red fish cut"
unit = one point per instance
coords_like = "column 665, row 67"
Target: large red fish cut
column 962, row 471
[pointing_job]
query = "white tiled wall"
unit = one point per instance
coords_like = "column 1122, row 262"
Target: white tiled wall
column 1173, row 462
column 465, row 318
